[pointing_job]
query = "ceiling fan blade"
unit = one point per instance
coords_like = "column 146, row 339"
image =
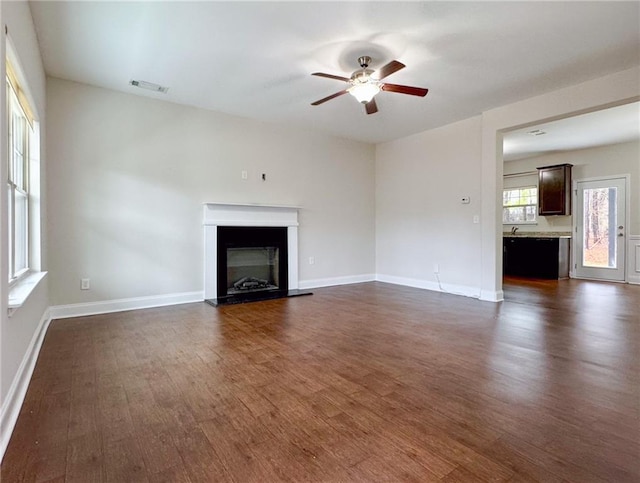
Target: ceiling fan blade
column 328, row 98
column 412, row 91
column 390, row 68
column 371, row 106
column 331, row 76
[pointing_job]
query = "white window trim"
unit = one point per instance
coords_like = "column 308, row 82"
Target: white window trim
column 14, row 107
column 535, row 222
column 26, row 281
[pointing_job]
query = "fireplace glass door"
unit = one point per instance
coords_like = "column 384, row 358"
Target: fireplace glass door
column 251, row 269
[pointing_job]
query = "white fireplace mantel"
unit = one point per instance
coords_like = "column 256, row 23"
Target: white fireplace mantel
column 237, row 214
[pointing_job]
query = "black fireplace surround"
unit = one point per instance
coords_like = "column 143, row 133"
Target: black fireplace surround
column 252, row 264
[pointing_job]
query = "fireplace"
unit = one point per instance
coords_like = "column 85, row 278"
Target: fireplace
column 252, row 263
column 250, row 252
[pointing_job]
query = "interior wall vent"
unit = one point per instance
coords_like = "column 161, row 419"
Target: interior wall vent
column 149, row 86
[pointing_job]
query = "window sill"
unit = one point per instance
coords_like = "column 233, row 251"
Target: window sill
column 20, row 291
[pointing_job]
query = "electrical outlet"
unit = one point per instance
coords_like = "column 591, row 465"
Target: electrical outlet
column 312, row 260
column 85, row 284
column 476, row 218
column 244, row 174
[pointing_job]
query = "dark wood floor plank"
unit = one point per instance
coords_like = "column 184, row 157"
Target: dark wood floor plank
column 83, row 418
column 123, row 461
column 233, row 452
column 158, row 448
column 393, row 466
column 255, row 402
column 44, row 464
column 85, row 459
column 367, row 382
column 200, row 460
column 524, row 460
column 113, row 414
column 174, row 474
column 53, row 420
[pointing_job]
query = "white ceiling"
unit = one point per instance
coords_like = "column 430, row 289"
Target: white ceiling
column 255, row 59
column 609, row 126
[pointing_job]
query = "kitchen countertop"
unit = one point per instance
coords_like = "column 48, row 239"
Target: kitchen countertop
column 537, row 234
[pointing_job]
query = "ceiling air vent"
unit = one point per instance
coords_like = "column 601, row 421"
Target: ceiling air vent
column 149, row 86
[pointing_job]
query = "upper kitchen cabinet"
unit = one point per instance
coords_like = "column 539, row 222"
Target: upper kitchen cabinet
column 554, row 190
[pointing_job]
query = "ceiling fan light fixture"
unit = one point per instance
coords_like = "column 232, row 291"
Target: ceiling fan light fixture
column 365, row 83
column 364, row 92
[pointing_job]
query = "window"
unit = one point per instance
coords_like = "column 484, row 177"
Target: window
column 20, row 132
column 519, row 205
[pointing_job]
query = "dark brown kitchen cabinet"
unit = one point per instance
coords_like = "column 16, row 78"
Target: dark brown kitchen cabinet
column 554, row 190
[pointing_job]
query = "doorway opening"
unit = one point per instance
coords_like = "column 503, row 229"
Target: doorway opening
column 602, row 145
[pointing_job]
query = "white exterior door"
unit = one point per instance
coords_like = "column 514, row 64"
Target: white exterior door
column 600, row 229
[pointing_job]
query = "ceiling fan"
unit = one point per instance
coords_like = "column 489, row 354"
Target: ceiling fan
column 365, row 84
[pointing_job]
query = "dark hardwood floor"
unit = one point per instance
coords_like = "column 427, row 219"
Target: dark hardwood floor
column 368, row 382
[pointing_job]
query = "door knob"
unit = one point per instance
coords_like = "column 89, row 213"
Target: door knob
column 620, row 234
column 620, row 227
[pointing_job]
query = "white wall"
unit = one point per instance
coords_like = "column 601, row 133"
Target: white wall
column 18, row 331
column 128, row 176
column 623, row 158
column 420, row 220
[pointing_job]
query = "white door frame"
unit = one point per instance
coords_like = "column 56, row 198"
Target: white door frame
column 574, row 221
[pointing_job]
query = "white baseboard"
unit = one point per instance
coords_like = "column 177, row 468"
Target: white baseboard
column 135, row 303
column 329, row 282
column 492, row 295
column 408, row 282
column 18, row 390
column 463, row 290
